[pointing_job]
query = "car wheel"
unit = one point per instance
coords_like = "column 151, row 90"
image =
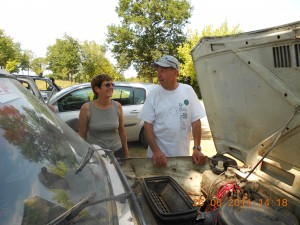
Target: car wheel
column 143, row 140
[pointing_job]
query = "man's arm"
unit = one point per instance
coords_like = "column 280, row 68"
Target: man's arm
column 159, row 158
column 197, row 155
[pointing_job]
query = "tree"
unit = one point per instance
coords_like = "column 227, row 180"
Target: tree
column 11, row 56
column 38, row 65
column 187, row 66
column 148, row 30
column 93, row 62
column 64, row 58
column 26, row 57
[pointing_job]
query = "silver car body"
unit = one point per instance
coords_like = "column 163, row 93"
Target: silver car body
column 48, row 174
column 131, row 96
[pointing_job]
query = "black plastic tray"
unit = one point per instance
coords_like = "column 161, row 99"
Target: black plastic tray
column 168, row 201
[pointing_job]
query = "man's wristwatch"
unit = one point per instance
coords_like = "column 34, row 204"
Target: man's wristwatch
column 198, row 147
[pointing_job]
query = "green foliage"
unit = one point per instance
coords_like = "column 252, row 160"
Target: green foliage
column 148, row 30
column 38, row 65
column 64, row 57
column 93, row 62
column 12, row 58
column 136, row 79
column 12, row 66
column 187, row 67
column 25, row 58
column 61, row 83
column 60, row 169
column 70, row 60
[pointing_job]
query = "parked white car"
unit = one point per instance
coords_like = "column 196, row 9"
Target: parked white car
column 132, row 96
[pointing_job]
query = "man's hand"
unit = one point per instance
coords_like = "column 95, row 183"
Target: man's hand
column 198, row 157
column 159, row 159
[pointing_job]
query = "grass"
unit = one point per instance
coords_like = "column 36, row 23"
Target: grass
column 64, row 83
column 43, row 85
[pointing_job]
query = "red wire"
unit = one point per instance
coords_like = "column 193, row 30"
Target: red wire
column 223, row 190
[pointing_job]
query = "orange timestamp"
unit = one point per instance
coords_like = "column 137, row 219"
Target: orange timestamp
column 281, row 202
column 247, row 202
column 231, row 202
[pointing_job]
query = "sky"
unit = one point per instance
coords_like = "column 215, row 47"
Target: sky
column 36, row 24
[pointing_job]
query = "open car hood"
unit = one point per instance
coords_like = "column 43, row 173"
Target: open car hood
column 250, row 84
column 250, row 87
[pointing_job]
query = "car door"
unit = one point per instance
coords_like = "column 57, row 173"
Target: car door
column 30, row 85
column 69, row 105
column 132, row 100
column 46, row 87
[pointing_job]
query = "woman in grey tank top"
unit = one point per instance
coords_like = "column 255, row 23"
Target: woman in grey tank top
column 101, row 121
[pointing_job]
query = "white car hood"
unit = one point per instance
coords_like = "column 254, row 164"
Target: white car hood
column 250, row 102
column 250, row 88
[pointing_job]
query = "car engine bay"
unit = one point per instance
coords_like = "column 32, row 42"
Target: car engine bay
column 214, row 194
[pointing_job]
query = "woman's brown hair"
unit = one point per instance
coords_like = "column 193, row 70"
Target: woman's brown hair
column 98, row 80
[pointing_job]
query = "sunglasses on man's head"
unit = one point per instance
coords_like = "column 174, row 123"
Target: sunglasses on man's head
column 109, row 84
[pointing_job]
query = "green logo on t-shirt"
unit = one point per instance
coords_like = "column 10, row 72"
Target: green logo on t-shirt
column 186, row 102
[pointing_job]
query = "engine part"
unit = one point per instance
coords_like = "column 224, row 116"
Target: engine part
column 211, row 182
column 252, row 213
column 168, row 201
column 216, row 165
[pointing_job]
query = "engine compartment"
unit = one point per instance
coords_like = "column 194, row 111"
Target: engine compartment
column 218, row 191
column 230, row 200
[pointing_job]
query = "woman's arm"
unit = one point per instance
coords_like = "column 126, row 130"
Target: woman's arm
column 122, row 132
column 84, row 117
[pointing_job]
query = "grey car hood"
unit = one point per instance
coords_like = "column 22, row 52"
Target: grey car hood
column 250, row 84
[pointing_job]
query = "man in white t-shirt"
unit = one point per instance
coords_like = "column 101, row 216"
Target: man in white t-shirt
column 170, row 112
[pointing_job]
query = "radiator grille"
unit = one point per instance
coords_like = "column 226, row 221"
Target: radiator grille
column 282, row 56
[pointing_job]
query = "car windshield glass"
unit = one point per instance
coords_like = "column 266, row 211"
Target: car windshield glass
column 39, row 158
column 64, row 91
column 75, row 99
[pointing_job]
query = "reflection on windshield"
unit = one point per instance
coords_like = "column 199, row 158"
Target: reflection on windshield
column 25, row 130
column 37, row 170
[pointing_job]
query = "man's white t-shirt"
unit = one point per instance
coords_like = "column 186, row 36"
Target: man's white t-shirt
column 172, row 114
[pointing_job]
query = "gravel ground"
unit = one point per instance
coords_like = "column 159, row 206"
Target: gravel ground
column 207, row 144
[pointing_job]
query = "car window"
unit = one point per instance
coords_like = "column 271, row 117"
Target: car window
column 139, row 96
column 43, row 85
column 25, row 84
column 129, row 95
column 124, row 95
column 74, row 100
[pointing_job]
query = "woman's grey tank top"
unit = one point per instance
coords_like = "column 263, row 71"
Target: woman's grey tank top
column 103, row 127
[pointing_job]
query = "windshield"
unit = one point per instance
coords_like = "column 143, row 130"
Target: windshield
column 38, row 163
column 62, row 92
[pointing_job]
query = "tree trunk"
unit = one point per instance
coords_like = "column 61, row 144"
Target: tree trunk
column 150, row 78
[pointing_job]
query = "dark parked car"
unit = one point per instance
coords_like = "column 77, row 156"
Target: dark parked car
column 46, row 87
column 30, row 85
